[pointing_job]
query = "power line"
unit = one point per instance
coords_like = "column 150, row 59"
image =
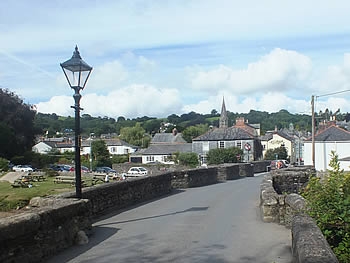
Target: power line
column 333, row 93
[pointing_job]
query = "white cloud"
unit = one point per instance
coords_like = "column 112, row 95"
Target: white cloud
column 131, row 101
column 335, row 78
column 280, row 69
column 107, row 76
column 61, row 105
column 270, row 102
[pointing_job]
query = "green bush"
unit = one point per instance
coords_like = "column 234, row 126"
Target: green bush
column 329, row 204
column 224, row 155
column 188, row 159
column 4, row 164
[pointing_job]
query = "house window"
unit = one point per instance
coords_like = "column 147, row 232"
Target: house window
column 126, row 151
column 239, row 145
column 112, row 149
column 221, row 144
column 150, row 158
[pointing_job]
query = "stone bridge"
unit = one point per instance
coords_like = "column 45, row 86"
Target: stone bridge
column 55, row 223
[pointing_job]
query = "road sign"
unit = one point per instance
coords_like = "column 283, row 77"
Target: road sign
column 247, row 146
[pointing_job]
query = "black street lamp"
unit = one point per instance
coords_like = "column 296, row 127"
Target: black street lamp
column 77, row 72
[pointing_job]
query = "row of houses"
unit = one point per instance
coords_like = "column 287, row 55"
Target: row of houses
column 242, row 134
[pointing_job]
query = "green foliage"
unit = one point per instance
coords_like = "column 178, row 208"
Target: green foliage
column 188, row 159
column 329, row 202
column 224, row 155
column 4, row 164
column 134, row 135
column 194, row 131
column 281, row 153
column 120, row 158
column 58, row 125
column 16, row 125
column 100, row 153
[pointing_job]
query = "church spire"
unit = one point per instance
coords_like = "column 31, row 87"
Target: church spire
column 223, row 117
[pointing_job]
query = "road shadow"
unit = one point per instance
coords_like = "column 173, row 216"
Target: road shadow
column 115, row 211
column 74, row 251
column 192, row 209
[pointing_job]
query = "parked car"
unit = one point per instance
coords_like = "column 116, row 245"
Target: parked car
column 106, row 170
column 61, row 168
column 84, row 169
column 137, row 171
column 278, row 164
column 22, row 168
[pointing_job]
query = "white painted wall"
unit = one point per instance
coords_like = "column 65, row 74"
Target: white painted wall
column 323, row 154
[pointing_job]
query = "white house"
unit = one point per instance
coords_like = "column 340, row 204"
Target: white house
column 330, row 139
column 162, row 148
column 278, row 139
column 44, row 147
column 241, row 135
column 114, row 146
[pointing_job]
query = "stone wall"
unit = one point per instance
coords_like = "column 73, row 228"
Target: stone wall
column 308, row 243
column 120, row 194
column 261, row 166
column 43, row 231
column 228, row 172
column 291, row 180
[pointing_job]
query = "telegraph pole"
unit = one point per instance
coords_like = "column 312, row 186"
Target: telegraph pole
column 313, row 128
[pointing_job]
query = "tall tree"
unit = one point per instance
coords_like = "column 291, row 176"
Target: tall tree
column 100, row 153
column 133, row 135
column 17, row 125
column 194, row 131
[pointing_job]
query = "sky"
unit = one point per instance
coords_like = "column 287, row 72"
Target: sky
column 160, row 57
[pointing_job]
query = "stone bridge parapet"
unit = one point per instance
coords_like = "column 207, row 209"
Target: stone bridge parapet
column 281, row 203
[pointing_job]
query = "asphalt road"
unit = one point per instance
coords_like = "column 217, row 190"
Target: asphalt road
column 216, row 223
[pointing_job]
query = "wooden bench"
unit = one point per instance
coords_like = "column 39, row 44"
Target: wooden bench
column 19, row 183
column 64, row 179
column 98, row 178
column 61, row 179
column 38, row 177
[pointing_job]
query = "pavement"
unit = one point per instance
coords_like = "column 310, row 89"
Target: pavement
column 12, row 176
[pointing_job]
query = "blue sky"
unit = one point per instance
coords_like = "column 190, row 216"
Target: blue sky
column 156, row 58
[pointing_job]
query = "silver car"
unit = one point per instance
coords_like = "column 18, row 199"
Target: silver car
column 22, row 168
column 137, row 171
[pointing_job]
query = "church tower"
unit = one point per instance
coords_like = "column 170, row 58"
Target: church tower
column 223, row 123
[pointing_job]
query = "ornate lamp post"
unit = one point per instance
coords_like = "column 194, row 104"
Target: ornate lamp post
column 77, row 72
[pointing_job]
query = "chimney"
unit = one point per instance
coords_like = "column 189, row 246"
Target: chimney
column 240, row 121
column 174, row 131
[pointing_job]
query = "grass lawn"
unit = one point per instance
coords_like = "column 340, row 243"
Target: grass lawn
column 14, row 198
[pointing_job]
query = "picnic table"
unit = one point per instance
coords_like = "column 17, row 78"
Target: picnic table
column 63, row 179
column 98, row 178
column 26, row 180
column 38, row 177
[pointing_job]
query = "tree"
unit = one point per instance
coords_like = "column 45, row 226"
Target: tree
column 100, row 153
column 16, row 125
column 188, row 159
column 224, row 155
column 277, row 153
column 133, row 135
column 194, row 131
